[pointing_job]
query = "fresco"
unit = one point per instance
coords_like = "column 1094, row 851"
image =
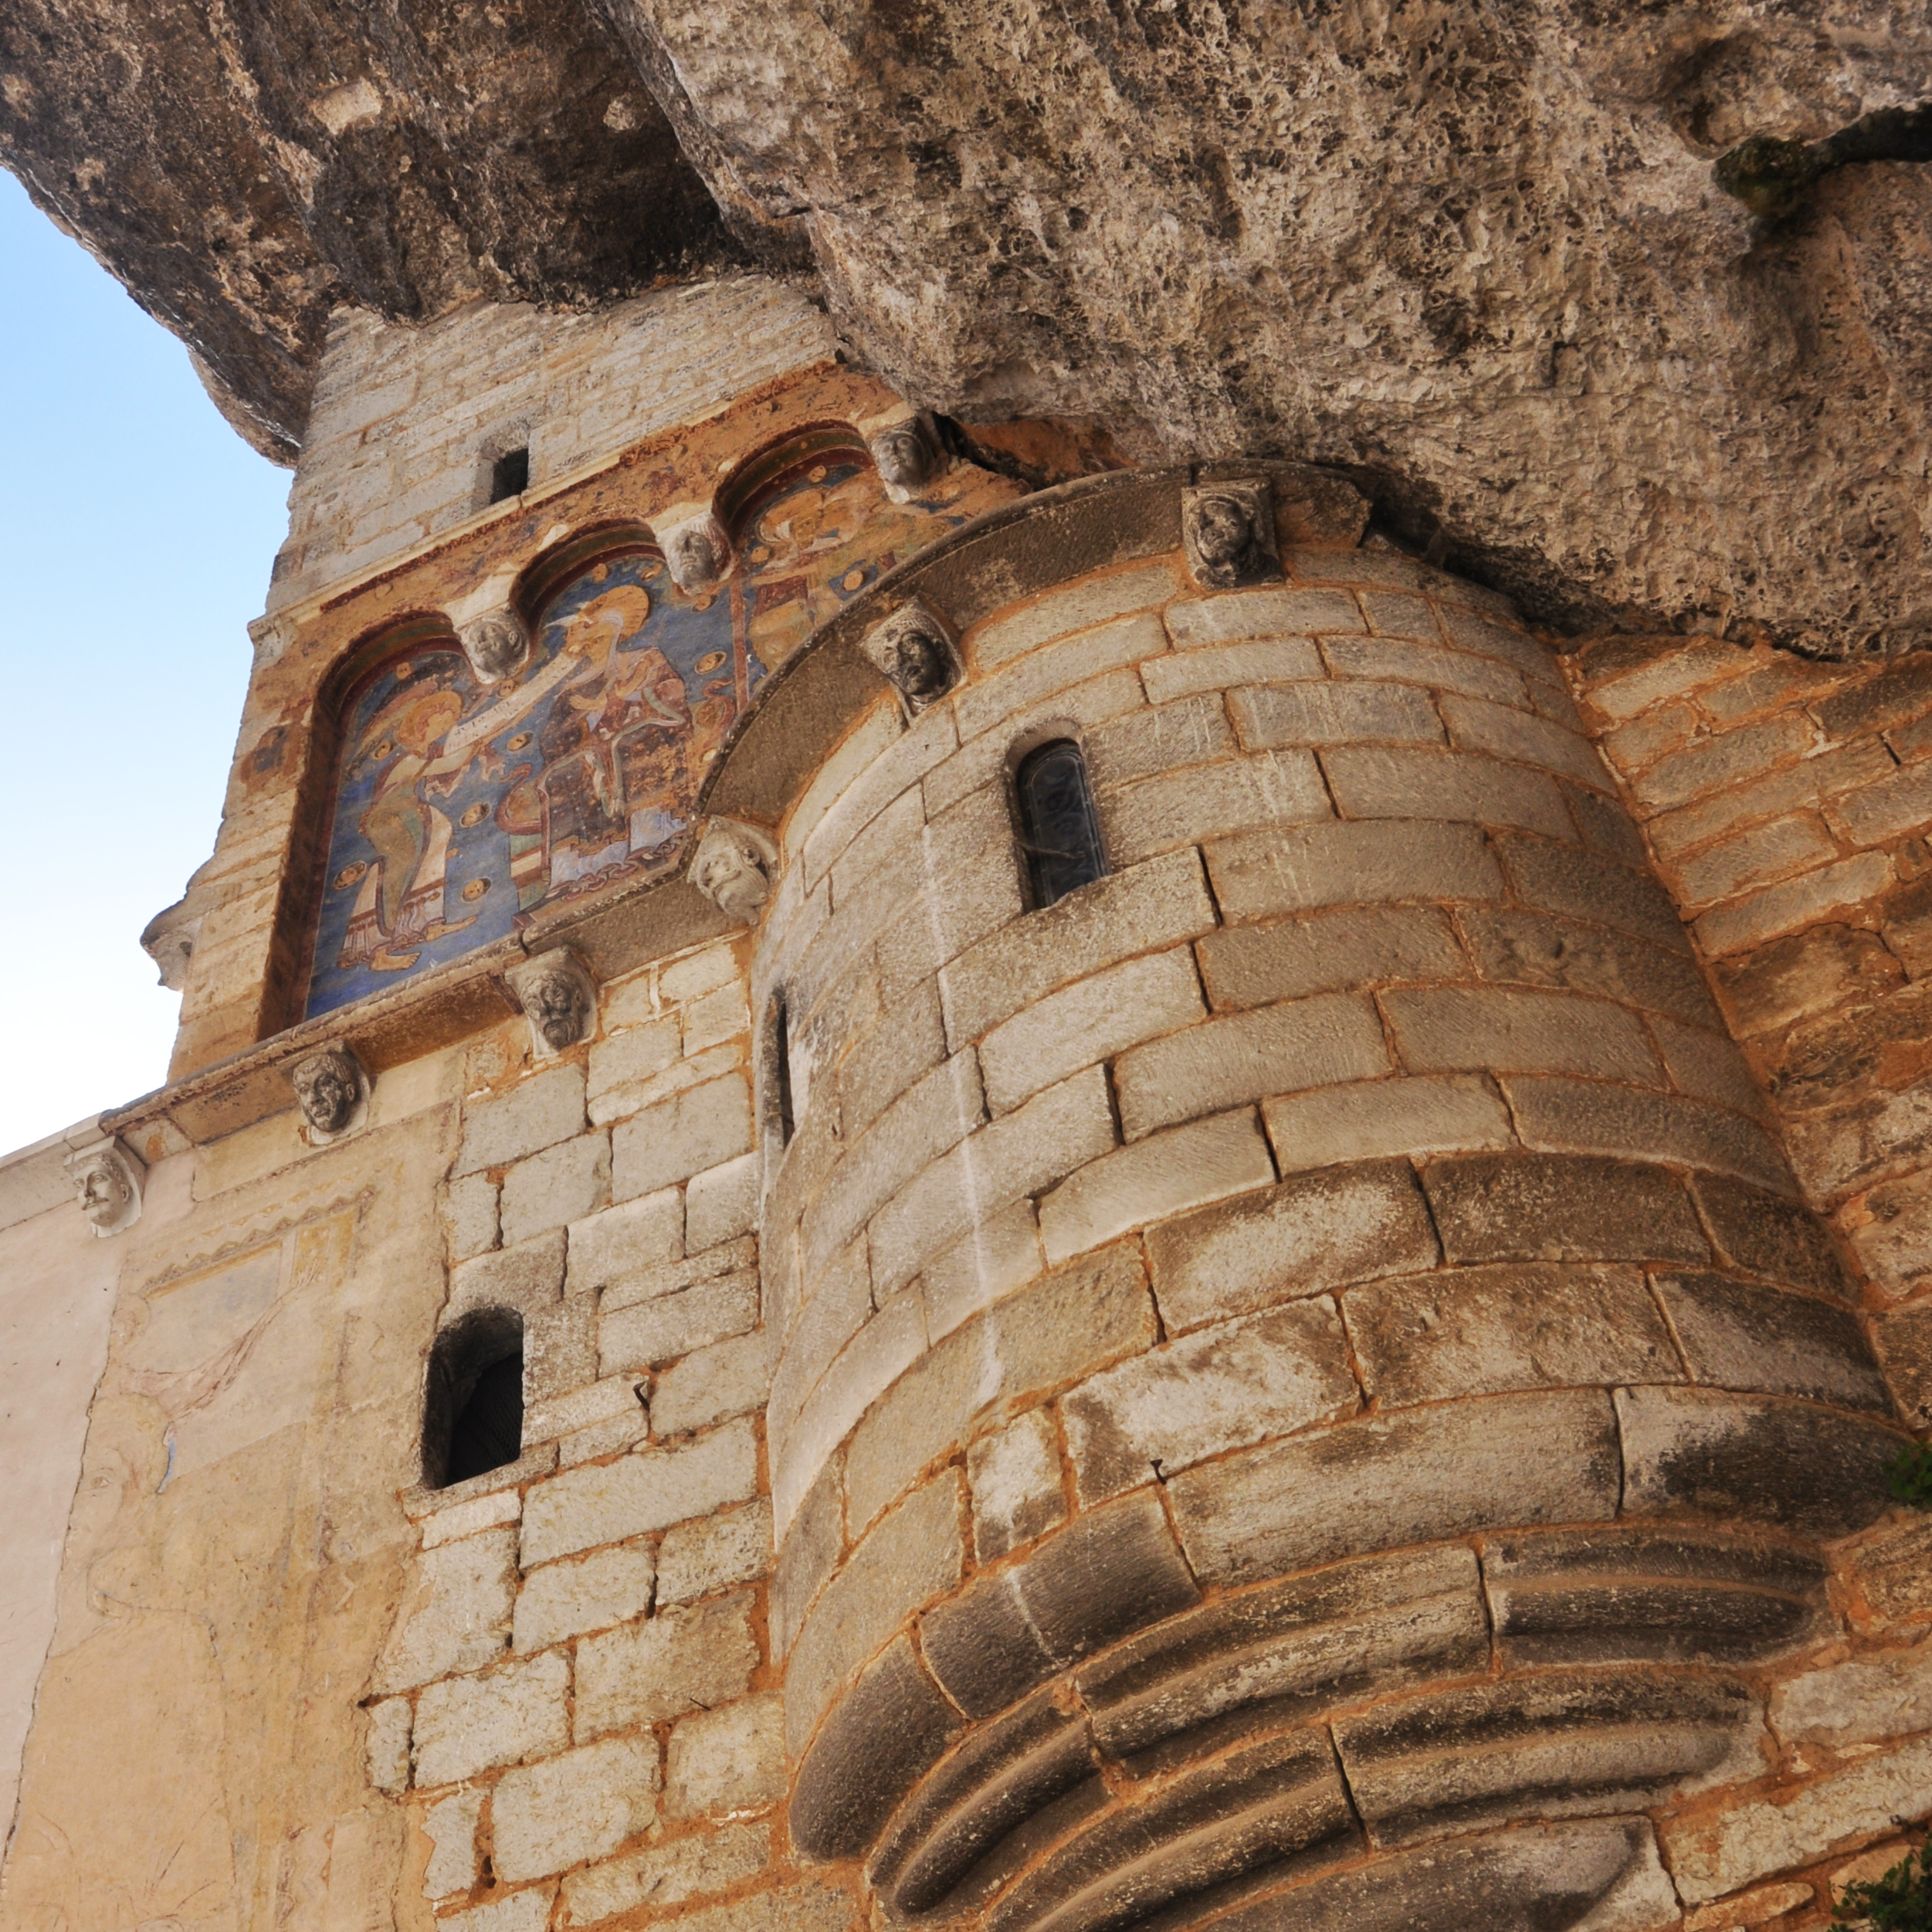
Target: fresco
column 464, row 810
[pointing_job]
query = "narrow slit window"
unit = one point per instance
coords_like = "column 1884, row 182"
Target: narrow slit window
column 777, row 1073
column 488, row 1430
column 1059, row 830
column 509, row 475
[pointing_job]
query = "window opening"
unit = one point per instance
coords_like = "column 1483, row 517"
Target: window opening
column 489, row 1428
column 778, row 1072
column 1059, row 832
column 509, row 475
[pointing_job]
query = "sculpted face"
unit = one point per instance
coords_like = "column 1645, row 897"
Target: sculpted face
column 496, row 645
column 327, row 1092
column 730, row 873
column 692, row 556
column 105, row 1192
column 1223, row 530
column 557, row 1005
column 911, row 649
column 902, row 457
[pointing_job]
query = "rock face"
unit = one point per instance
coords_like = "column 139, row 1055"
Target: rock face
column 1481, row 259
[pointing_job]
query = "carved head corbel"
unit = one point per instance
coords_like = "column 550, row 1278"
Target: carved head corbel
column 697, row 553
column 559, row 999
column 736, row 867
column 497, row 644
column 107, row 1178
column 1229, row 531
column 909, row 455
column 331, row 1092
column 914, row 650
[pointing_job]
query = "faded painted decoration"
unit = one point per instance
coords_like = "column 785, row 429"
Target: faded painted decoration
column 463, row 810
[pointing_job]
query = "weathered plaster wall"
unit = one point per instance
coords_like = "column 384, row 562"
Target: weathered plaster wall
column 56, row 1294
column 405, row 420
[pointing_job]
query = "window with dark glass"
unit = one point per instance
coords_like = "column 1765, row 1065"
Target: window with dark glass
column 1059, row 831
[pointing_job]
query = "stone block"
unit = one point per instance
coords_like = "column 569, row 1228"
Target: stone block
column 1866, row 1699
column 665, row 1144
column 1504, row 732
column 465, row 1725
column 1162, row 738
column 1708, row 1067
column 696, row 974
column 700, row 1559
column 1020, row 1154
column 1246, row 966
column 1452, row 1028
column 469, row 1223
column 1406, row 661
column 1578, row 1116
column 1268, row 715
column 547, row 1817
column 866, row 781
column 719, row 1015
column 528, row 1276
column 981, row 764
column 1053, row 667
column 1303, row 1237
column 1769, row 1235
column 639, row 1493
column 1093, row 600
column 1079, row 1319
column 1503, row 1461
column 615, row 1396
column 1214, row 801
column 1894, row 1569
column 1578, row 1742
column 1221, row 667
column 1478, row 1331
column 880, row 1740
column 659, row 1089
column 1899, row 692
column 456, row 1615
column 1260, row 613
column 1712, row 763
column 1805, row 900
column 696, row 1866
column 1795, row 786
column 562, row 1600
column 1735, row 1335
column 1713, row 1853
column 1303, row 869
column 1752, row 1459
column 464, row 1518
column 680, row 1660
column 1227, row 1387
column 892, row 835
column 1093, row 1020
column 1904, row 1341
column 672, row 1325
column 560, row 1350
column 1561, row 1207
column 711, row 1385
column 1464, row 787
column 525, row 1911
column 1285, row 1048
column 1605, row 825
column 1752, row 858
column 1582, row 885
column 1374, row 1118
column 722, row 1203
column 1528, row 949
column 536, row 1114
column 1159, row 903
column 1894, row 1246
column 731, row 1759
column 1169, row 1174
column 607, row 1248
column 814, row 1542
column 451, row 1827
column 1001, row 1254
column 386, row 1747
column 840, row 1304
column 562, row 1184
column 1110, row 1571
column 1014, row 1477
column 909, row 1039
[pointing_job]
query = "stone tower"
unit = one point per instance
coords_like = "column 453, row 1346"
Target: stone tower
column 936, row 1165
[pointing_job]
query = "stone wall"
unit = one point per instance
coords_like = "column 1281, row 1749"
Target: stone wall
column 406, row 420
column 1787, row 804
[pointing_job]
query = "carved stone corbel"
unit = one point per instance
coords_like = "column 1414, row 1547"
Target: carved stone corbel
column 1228, row 531
column 909, row 456
column 697, row 553
column 107, row 1178
column 559, row 999
column 497, row 644
column 914, row 650
column 331, row 1092
column 736, row 867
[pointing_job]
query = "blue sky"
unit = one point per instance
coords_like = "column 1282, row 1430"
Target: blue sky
column 136, row 533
